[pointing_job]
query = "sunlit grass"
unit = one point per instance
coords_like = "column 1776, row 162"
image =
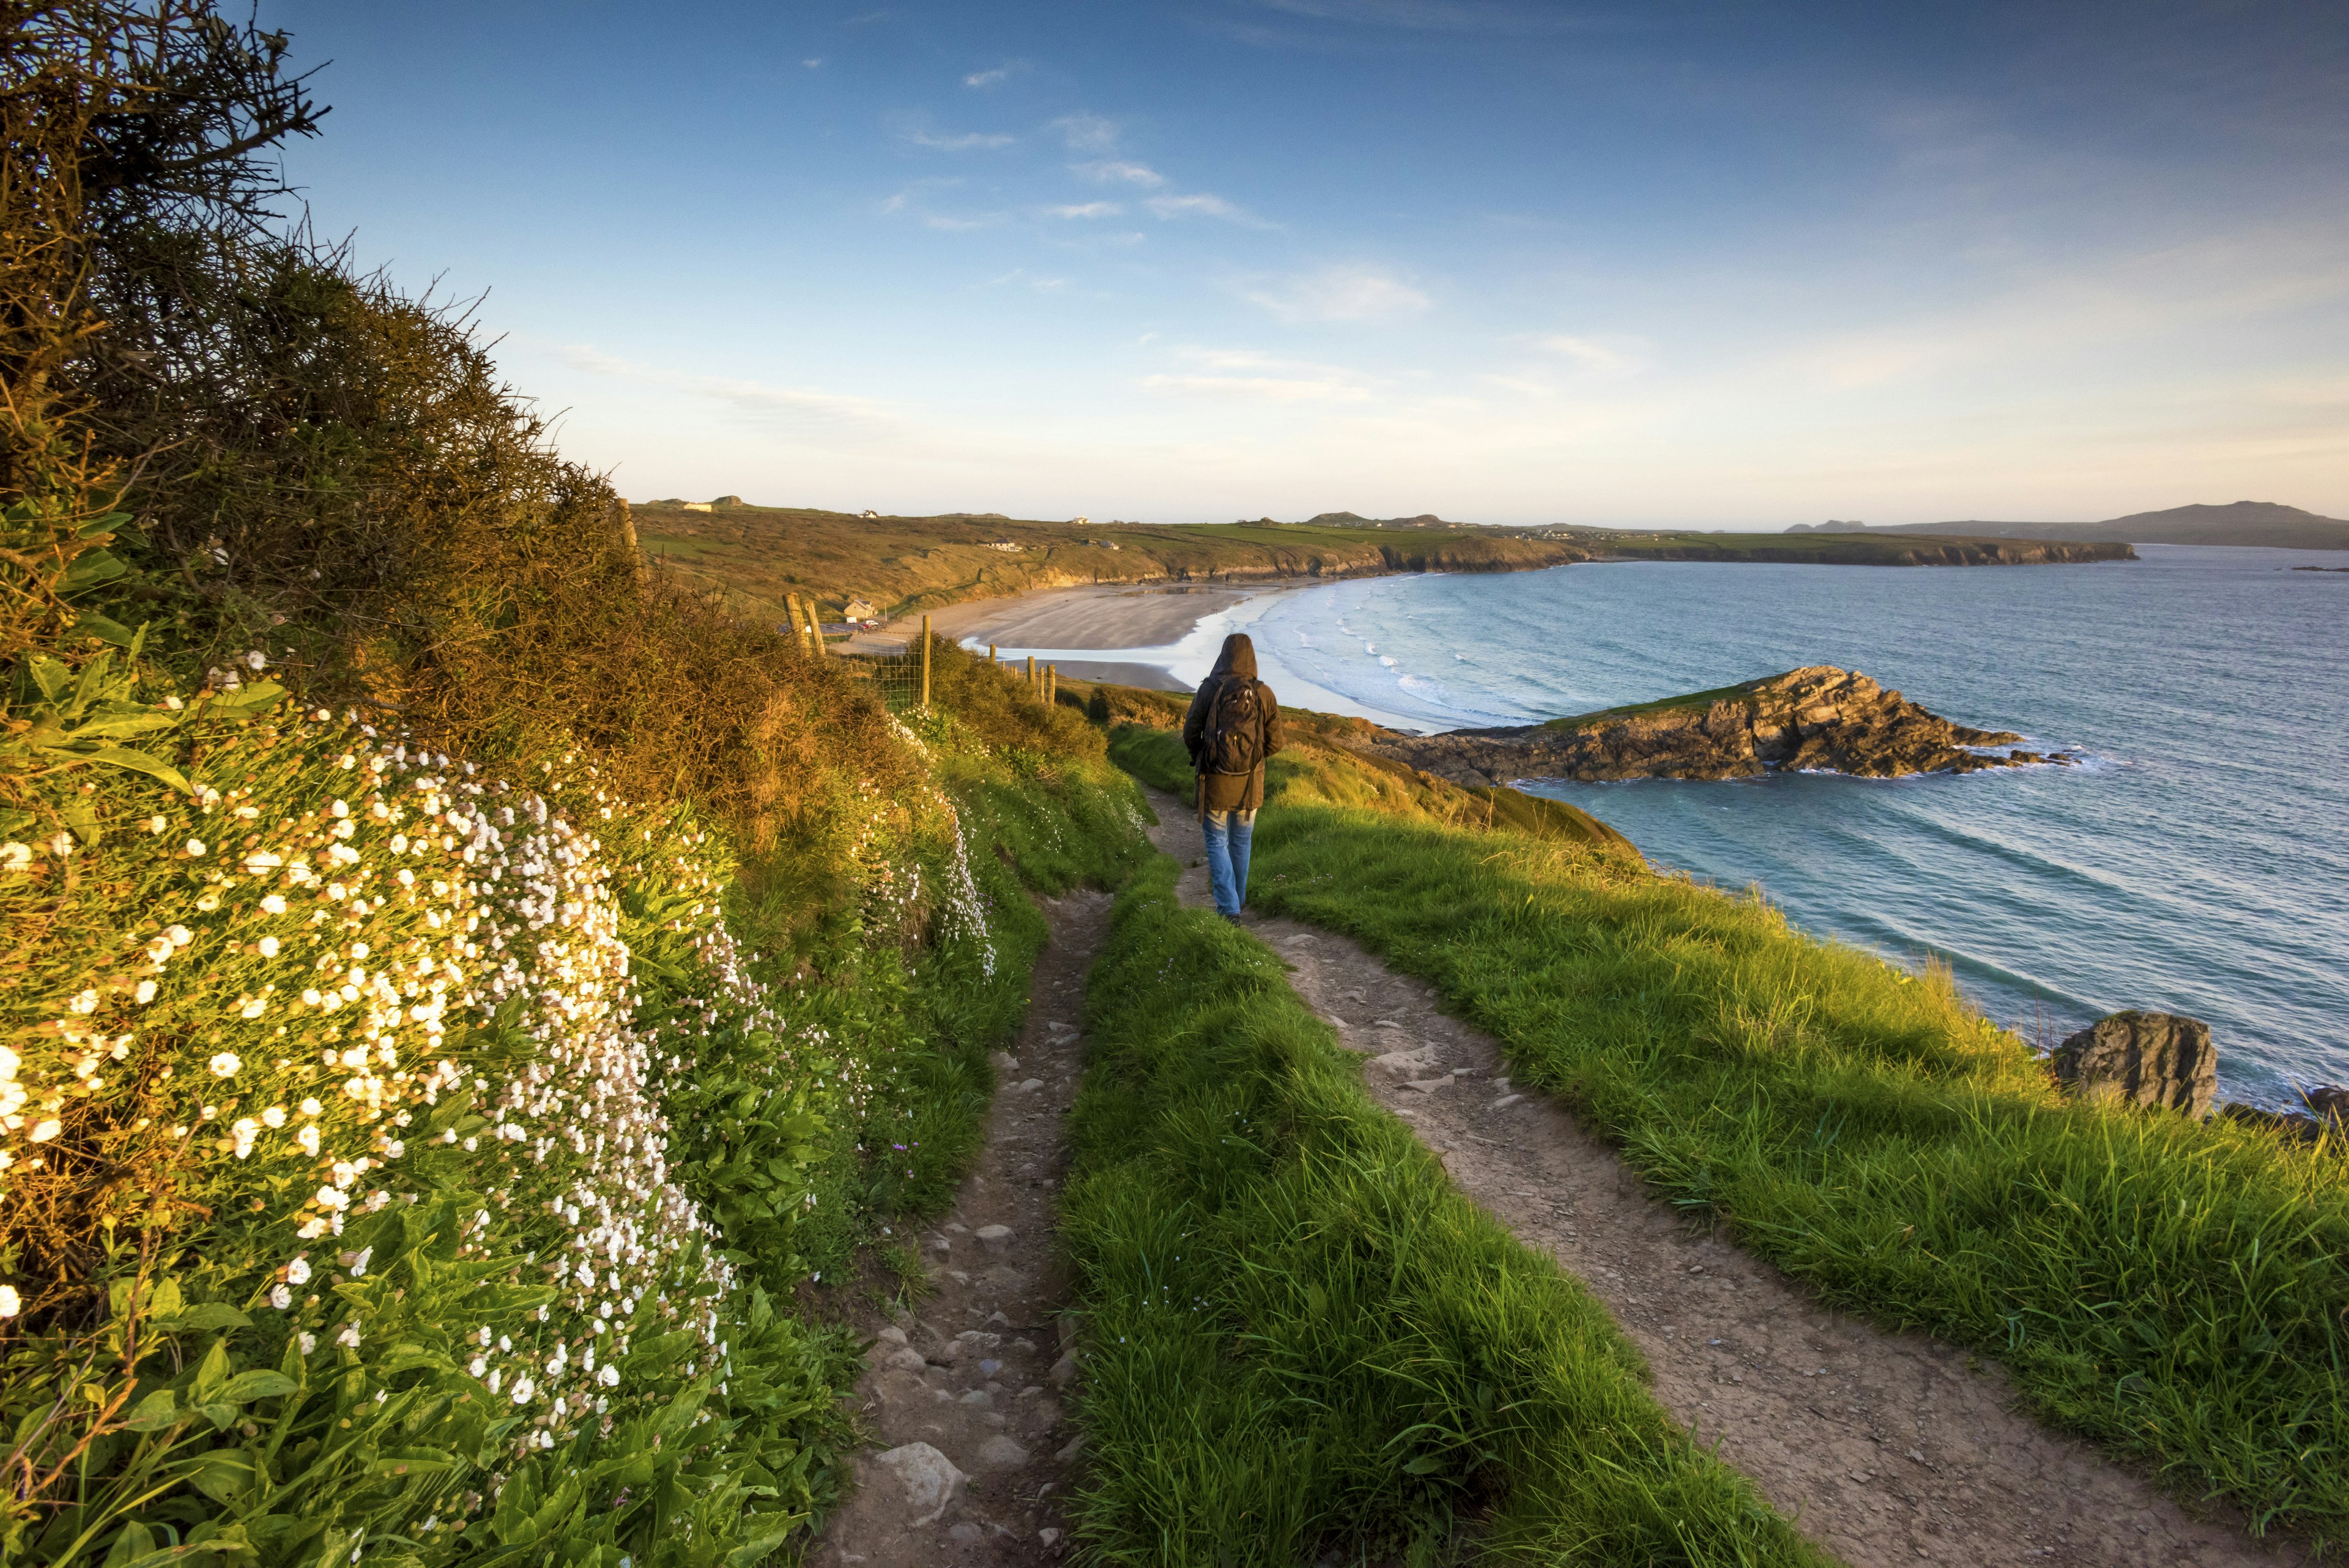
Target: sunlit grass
column 1299, row 1335
column 2177, row 1290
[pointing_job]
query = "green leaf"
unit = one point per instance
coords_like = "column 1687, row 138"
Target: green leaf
column 90, row 568
column 246, row 1386
column 140, row 763
column 112, row 522
column 224, row 1475
column 158, row 1410
column 50, row 676
column 104, row 630
column 211, row 1373
column 204, row 1315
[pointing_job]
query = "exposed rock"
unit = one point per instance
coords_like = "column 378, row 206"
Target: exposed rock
column 1001, row 1453
column 2330, row 1102
column 994, row 1238
column 929, row 1478
column 1819, row 717
column 2141, row 1059
column 2289, row 1124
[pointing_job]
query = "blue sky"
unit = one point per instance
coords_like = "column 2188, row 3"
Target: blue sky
column 1706, row 264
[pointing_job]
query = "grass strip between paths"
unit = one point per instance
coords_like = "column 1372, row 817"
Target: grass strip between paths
column 1300, row 1335
column 2177, row 1290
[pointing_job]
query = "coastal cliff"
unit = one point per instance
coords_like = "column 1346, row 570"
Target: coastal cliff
column 752, row 556
column 1818, row 718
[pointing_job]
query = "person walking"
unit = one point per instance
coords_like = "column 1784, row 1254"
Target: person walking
column 1233, row 726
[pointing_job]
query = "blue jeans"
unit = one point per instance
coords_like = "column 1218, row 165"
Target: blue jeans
column 1227, row 856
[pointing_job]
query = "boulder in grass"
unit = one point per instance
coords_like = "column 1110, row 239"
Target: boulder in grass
column 2142, row 1059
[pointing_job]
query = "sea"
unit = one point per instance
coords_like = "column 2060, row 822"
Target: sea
column 2196, row 862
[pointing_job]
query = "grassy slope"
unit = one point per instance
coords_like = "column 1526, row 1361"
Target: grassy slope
column 1300, row 1335
column 2174, row 1290
column 757, row 554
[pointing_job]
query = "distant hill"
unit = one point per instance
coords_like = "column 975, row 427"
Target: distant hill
column 1351, row 520
column 2263, row 523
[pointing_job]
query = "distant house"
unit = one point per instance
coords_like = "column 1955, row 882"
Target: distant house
column 861, row 609
column 868, row 511
column 696, row 505
column 1081, row 522
column 1004, row 544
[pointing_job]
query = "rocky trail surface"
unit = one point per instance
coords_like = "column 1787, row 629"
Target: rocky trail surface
column 972, row 1450
column 1883, row 1448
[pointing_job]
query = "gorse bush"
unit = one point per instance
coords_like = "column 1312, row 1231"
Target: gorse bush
column 459, row 988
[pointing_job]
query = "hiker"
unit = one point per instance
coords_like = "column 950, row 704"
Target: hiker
column 1233, row 726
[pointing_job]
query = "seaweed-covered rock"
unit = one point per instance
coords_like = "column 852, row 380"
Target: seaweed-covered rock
column 2142, row 1059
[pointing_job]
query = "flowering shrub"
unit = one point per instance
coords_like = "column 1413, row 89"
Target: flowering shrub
column 339, row 1169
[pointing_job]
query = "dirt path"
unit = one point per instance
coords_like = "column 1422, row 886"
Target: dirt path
column 972, row 1447
column 1884, row 1449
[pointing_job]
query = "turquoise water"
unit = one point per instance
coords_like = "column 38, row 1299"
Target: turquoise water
column 2198, row 864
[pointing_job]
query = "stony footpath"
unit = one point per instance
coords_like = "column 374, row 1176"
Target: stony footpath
column 972, row 1448
column 1883, row 1448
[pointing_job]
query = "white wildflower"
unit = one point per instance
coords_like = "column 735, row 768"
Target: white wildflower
column 225, row 1065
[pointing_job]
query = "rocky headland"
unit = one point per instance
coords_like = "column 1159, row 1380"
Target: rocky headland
column 1818, row 718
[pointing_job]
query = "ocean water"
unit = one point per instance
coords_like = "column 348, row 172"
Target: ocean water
column 2198, row 863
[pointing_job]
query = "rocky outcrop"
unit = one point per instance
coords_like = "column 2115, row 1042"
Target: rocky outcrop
column 1818, row 718
column 2141, row 1059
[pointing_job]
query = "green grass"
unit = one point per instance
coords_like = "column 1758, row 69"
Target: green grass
column 1301, row 1336
column 2174, row 1290
column 1660, row 705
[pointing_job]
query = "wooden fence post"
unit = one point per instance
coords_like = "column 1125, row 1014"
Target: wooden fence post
column 926, row 661
column 792, row 614
column 1051, row 684
column 1032, row 687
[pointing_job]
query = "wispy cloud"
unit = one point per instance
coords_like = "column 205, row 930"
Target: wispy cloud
column 784, row 410
column 1249, row 375
column 1087, row 210
column 1109, row 171
column 995, row 77
column 1342, row 294
column 1201, row 205
column 966, row 142
column 911, row 201
column 1086, row 132
column 812, row 64
column 1611, row 357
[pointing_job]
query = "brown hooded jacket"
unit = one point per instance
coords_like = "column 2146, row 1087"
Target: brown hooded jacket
column 1231, row 792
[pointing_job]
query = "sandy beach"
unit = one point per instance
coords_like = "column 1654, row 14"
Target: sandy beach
column 1108, row 616
column 1118, row 619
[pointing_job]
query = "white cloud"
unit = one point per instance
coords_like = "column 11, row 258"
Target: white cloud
column 788, row 411
column 1201, row 205
column 996, row 77
column 963, row 143
column 1258, row 389
column 1342, row 294
column 1107, row 171
column 1086, row 132
column 1250, row 375
column 1605, row 356
column 1087, row 210
column 812, row 64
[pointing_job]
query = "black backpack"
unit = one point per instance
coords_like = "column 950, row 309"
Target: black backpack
column 1234, row 742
